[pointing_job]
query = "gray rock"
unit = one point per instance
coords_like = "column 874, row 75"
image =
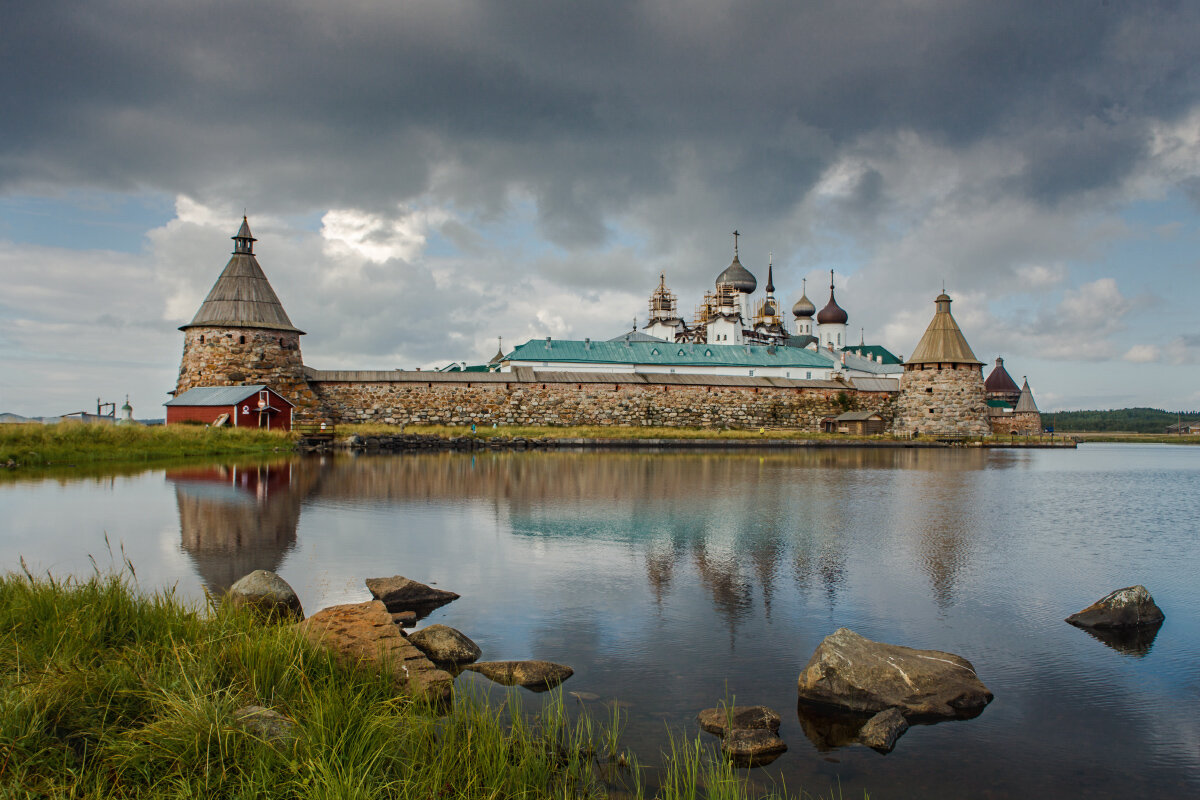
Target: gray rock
column 1131, row 607
column 272, row 727
column 752, row 747
column 445, row 645
column 399, row 593
column 882, row 730
column 716, row 720
column 268, row 594
column 537, row 676
column 852, row 672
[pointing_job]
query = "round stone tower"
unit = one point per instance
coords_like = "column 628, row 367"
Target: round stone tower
column 941, row 392
column 241, row 336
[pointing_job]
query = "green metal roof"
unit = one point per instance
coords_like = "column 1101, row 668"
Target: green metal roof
column 996, row 402
column 669, row 354
column 871, row 351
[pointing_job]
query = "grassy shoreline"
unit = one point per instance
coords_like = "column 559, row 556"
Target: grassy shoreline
column 72, row 443
column 106, row 692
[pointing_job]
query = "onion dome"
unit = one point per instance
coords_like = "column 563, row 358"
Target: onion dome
column 804, row 307
column 768, row 309
column 738, row 277
column 832, row 313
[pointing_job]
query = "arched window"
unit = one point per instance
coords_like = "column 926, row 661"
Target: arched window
column 241, row 340
column 202, row 338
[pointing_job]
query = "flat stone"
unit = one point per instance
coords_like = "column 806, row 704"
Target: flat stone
column 267, row 724
column 445, row 644
column 399, row 593
column 716, row 720
column 752, row 747
column 1131, row 607
column 266, row 593
column 364, row 632
column 882, row 730
column 405, row 619
column 854, row 673
column 534, row 675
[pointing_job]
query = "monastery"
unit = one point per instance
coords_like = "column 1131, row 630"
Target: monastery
column 739, row 363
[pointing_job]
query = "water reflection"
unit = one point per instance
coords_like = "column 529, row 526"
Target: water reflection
column 236, row 519
column 1135, row 642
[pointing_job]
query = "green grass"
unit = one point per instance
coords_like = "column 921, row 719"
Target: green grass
column 77, row 443
column 106, row 692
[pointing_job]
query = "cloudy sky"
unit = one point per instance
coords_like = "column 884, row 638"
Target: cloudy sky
column 426, row 176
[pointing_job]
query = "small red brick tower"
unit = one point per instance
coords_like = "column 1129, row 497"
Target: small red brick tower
column 241, row 334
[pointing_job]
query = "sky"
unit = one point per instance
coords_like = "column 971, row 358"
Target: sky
column 424, row 177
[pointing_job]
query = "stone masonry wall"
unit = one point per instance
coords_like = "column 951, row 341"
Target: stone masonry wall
column 556, row 404
column 1024, row 423
column 942, row 400
column 246, row 356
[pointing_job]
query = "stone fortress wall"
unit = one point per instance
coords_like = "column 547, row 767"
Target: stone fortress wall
column 558, row 403
column 1020, row 423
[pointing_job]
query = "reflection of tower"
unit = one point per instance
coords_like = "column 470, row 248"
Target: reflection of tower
column 234, row 520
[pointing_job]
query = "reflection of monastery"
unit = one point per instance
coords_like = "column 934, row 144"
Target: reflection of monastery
column 738, row 363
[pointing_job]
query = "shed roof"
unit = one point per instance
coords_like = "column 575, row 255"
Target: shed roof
column 857, row 416
column 943, row 342
column 242, row 297
column 221, row 395
column 669, row 354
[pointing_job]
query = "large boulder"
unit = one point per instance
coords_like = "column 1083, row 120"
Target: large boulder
column 722, row 719
column 537, row 676
column 1131, row 607
column 266, row 593
column 445, row 645
column 364, row 633
column 752, row 747
column 854, row 673
column 881, row 731
column 399, row 593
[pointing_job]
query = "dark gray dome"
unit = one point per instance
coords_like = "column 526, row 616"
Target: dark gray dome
column 738, row 276
column 804, row 307
column 768, row 309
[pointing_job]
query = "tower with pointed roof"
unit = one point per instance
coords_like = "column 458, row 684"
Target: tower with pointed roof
column 664, row 320
column 241, row 335
column 768, row 318
column 941, row 392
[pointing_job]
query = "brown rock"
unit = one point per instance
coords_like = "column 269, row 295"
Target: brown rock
column 445, row 645
column 851, row 672
column 882, row 730
column 266, row 593
column 399, row 593
column 405, row 619
column 267, row 724
column 1131, row 607
column 752, row 747
column 537, row 676
column 364, row 632
column 716, row 720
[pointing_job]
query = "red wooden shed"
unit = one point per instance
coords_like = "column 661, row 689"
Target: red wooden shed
column 254, row 406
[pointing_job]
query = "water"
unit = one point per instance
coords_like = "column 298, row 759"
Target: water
column 671, row 581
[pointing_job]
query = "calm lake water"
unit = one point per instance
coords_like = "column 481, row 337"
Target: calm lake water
column 672, row 580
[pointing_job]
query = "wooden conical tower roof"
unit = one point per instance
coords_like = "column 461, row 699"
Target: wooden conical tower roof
column 242, row 297
column 943, row 342
column 1025, row 401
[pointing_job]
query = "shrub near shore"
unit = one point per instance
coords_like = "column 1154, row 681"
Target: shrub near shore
column 105, row 692
column 74, row 442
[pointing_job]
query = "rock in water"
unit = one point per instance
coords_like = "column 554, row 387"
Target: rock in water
column 272, row 727
column 1131, row 607
column 852, row 672
column 364, row 632
column 266, row 593
column 445, row 645
column 882, row 730
column 752, row 747
column 399, row 593
column 537, row 676
column 717, row 720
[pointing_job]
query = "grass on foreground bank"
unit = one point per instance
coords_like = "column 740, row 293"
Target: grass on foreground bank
column 74, row 442
column 107, row 693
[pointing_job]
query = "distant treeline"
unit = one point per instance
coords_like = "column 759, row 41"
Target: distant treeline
column 1135, row 420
